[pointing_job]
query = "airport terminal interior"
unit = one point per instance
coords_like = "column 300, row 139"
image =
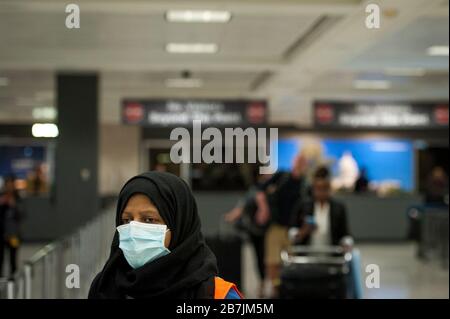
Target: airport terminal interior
column 312, row 135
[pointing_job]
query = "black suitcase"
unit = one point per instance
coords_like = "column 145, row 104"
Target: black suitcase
column 314, row 273
column 228, row 251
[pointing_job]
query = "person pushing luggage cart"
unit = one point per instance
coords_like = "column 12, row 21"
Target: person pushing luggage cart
column 321, row 224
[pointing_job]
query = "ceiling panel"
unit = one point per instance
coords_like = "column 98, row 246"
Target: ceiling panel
column 29, row 36
column 408, row 47
column 125, row 41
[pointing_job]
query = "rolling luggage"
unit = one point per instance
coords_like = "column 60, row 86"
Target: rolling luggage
column 228, row 250
column 313, row 273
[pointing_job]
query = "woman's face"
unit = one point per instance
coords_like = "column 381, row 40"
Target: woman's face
column 140, row 209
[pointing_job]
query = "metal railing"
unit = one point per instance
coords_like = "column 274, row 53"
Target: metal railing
column 65, row 268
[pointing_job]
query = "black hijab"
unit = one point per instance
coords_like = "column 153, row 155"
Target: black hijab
column 188, row 271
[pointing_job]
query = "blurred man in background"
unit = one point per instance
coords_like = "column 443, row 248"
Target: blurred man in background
column 321, row 221
column 10, row 215
column 276, row 200
column 37, row 181
column 362, row 183
column 437, row 186
column 243, row 216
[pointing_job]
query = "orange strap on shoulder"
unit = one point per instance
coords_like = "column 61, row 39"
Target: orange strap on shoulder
column 222, row 287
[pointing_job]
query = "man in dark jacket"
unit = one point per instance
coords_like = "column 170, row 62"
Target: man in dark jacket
column 275, row 202
column 10, row 214
column 321, row 221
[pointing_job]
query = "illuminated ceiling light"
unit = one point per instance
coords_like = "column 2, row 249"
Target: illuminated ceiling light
column 4, row 81
column 184, row 83
column 198, row 16
column 205, row 48
column 438, row 50
column 405, row 71
column 44, row 130
column 371, row 84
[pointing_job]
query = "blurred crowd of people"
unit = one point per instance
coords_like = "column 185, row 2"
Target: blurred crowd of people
column 293, row 207
column 297, row 207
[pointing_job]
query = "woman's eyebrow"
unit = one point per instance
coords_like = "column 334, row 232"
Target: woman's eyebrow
column 148, row 211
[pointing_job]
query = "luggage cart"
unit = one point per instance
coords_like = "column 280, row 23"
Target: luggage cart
column 315, row 273
column 429, row 227
column 435, row 234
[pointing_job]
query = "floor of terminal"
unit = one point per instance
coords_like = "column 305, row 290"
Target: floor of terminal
column 402, row 274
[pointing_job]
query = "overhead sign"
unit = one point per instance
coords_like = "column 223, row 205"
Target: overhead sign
column 181, row 113
column 373, row 115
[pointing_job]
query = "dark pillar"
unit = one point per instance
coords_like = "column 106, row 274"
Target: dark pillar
column 76, row 162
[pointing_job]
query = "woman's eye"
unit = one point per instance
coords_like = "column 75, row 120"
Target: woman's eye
column 149, row 220
column 125, row 221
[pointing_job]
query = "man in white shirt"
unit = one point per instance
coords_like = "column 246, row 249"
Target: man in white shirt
column 321, row 236
column 321, row 221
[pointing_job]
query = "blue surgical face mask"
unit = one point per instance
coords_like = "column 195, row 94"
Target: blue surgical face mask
column 142, row 243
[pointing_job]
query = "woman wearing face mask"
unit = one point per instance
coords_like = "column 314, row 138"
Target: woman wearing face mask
column 158, row 250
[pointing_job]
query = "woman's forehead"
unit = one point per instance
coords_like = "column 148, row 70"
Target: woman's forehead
column 140, row 201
